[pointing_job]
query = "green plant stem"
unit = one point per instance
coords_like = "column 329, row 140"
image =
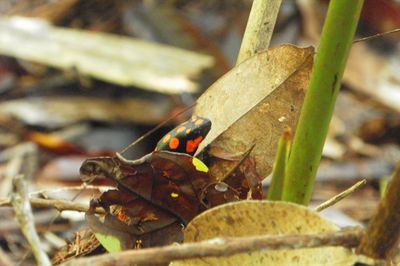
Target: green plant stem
column 278, row 170
column 336, row 39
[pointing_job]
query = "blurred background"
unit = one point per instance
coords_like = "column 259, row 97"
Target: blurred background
column 86, row 78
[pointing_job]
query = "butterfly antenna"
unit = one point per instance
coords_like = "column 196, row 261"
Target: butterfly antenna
column 151, row 131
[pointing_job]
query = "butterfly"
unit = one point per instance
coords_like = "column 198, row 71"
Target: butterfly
column 156, row 195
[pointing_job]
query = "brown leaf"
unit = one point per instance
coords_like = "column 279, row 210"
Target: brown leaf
column 255, row 101
column 238, row 172
column 155, row 195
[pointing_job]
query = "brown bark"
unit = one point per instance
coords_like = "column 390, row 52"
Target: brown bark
column 383, row 232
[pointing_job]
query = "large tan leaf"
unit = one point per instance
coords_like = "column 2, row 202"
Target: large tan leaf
column 121, row 60
column 255, row 101
column 251, row 218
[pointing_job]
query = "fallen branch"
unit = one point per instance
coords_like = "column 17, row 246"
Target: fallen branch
column 60, row 205
column 349, row 237
column 340, row 196
column 23, row 213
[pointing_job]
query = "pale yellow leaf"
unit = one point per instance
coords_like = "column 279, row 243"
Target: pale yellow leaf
column 252, row 218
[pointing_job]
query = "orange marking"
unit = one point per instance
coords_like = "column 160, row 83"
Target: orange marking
column 188, row 131
column 191, row 145
column 173, row 143
column 122, row 216
column 166, row 138
column 198, row 122
column 180, row 129
column 194, row 118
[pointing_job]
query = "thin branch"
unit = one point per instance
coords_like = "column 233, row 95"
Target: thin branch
column 13, row 168
column 340, row 196
column 376, row 36
column 223, row 247
column 84, row 186
column 60, row 205
column 23, row 213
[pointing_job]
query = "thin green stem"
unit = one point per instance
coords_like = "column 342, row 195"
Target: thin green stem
column 278, row 170
column 336, row 39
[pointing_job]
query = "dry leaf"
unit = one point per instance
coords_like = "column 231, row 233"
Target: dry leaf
column 61, row 111
column 250, row 218
column 255, row 101
column 120, row 60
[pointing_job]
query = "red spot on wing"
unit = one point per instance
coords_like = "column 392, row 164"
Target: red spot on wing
column 191, row 145
column 121, row 215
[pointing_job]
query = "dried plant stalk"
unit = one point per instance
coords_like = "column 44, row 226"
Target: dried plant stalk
column 349, row 237
column 383, row 232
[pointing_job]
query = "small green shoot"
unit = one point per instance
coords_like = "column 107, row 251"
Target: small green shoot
column 278, row 170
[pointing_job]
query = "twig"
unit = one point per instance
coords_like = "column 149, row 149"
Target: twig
column 84, row 186
column 18, row 150
column 340, row 196
column 13, row 169
column 223, row 247
column 60, row 205
column 23, row 213
column 383, row 232
column 376, row 36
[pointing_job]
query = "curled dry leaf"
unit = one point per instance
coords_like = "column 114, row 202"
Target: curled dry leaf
column 255, row 101
column 120, row 60
column 237, row 171
column 153, row 197
column 251, row 218
column 61, row 111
